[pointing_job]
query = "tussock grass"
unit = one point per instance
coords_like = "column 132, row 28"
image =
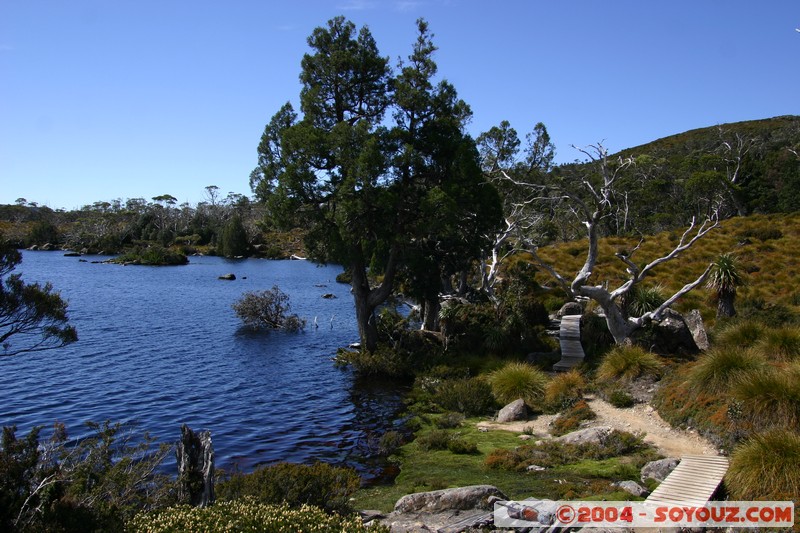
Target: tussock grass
column 782, row 344
column 740, row 334
column 564, row 390
column 518, row 380
column 626, row 363
column 718, row 369
column 766, row 468
column 771, row 397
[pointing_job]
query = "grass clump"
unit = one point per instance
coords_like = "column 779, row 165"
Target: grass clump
column 771, row 397
column 621, row 399
column 564, row 390
column 719, row 368
column 740, row 334
column 571, row 419
column 781, row 344
column 765, row 467
column 247, row 516
column 440, row 439
column 626, row 363
column 518, row 380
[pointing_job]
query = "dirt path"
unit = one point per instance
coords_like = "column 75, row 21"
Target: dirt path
column 670, row 442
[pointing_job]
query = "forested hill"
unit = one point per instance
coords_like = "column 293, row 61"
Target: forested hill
column 756, row 163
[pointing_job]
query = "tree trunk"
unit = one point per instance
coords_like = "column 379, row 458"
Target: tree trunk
column 725, row 306
column 431, row 308
column 195, row 455
column 368, row 299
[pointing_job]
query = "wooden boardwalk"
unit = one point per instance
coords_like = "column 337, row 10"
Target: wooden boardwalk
column 692, row 483
column 570, row 339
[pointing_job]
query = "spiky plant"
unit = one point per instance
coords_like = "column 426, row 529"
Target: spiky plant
column 765, row 467
column 724, row 280
column 626, row 363
column 518, row 380
column 643, row 299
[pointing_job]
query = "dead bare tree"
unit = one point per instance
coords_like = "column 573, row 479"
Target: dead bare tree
column 590, row 198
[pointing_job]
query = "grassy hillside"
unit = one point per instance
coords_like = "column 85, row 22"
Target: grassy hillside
column 768, row 247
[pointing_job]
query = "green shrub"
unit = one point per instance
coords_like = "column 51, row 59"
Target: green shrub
column 450, row 421
column 247, row 516
column 462, row 446
column 771, row 397
column 621, row 399
column 518, row 380
column 390, row 442
column 571, row 419
column 626, row 363
column 384, row 361
column 719, row 368
column 321, row 485
column 595, row 337
column 641, row 299
column 765, row 467
column 151, row 256
column 438, row 439
column 470, row 396
column 564, row 390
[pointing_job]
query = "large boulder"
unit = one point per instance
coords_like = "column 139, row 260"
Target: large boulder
column 593, row 435
column 516, row 410
column 669, row 335
column 570, row 308
column 461, row 498
column 694, row 321
column 659, row 470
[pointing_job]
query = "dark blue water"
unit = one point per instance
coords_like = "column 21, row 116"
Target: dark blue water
column 161, row 346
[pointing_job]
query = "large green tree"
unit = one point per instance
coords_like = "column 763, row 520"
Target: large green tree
column 375, row 196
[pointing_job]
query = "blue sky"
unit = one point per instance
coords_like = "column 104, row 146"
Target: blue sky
column 136, row 98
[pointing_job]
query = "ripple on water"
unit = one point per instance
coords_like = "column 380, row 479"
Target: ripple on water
column 162, row 346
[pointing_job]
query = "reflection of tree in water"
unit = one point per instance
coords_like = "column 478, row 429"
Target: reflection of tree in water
column 378, row 403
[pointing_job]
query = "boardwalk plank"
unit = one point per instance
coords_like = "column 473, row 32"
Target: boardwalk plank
column 693, row 482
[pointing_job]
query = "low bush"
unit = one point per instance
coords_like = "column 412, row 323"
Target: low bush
column 564, row 390
column 438, row 439
column 550, row 453
column 518, row 380
column 151, row 256
column 320, row 484
column 719, row 368
column 384, row 361
column 462, row 446
column 626, row 363
column 450, row 421
column 267, row 309
column 389, row 443
column 571, row 419
column 766, row 468
column 621, row 399
column 248, row 516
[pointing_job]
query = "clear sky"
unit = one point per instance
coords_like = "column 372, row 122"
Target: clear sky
column 104, row 99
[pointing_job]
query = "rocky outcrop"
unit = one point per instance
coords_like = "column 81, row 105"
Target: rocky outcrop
column 631, row 487
column 228, row 277
column 694, row 321
column 670, row 335
column 593, row 435
column 431, row 511
column 570, row 308
column 659, row 470
column 516, row 410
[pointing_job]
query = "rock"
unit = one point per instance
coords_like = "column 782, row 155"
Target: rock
column 669, row 335
column 659, row 470
column 631, row 487
column 516, row 410
column 47, row 247
column 535, row 468
column 525, row 437
column 594, row 435
column 72, row 254
column 694, row 321
column 570, row 308
column 34, row 248
column 461, row 498
column 329, row 296
column 228, row 277
column 371, row 514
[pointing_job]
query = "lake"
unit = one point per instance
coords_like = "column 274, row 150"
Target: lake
column 161, row 346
